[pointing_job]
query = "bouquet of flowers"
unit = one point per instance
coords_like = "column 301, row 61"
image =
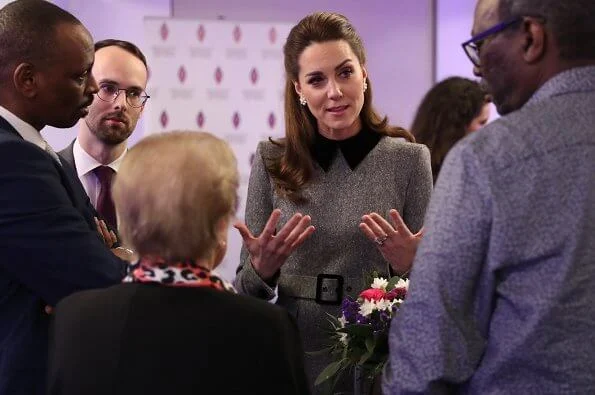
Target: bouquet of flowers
column 360, row 335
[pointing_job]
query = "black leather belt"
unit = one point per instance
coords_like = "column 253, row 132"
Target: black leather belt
column 324, row 288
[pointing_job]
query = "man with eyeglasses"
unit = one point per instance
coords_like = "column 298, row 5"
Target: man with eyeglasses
column 120, row 70
column 503, row 283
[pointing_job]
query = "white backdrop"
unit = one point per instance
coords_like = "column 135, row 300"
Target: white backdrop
column 222, row 77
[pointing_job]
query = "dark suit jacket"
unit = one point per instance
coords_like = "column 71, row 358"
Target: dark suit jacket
column 143, row 339
column 49, row 248
column 68, row 155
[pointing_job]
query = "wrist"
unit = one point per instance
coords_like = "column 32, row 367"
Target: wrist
column 269, row 278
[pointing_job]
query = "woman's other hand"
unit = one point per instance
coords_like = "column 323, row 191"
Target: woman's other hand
column 396, row 242
column 269, row 251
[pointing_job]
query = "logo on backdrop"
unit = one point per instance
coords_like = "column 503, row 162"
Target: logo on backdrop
column 163, row 119
column 253, row 93
column 218, row 93
column 182, row 74
column 235, row 138
column 164, row 31
column 164, row 50
column 200, row 33
column 218, row 75
column 254, row 76
column 236, row 52
column 236, row 120
column 182, row 93
column 200, row 119
column 272, row 35
column 200, row 51
column 237, row 34
column 272, row 53
column 272, row 120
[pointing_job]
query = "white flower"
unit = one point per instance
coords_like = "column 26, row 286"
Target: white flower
column 403, row 284
column 342, row 321
column 380, row 283
column 383, row 304
column 367, row 307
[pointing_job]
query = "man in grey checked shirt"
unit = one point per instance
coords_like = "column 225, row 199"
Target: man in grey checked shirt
column 502, row 296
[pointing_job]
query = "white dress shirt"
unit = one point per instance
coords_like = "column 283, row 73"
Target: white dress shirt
column 85, row 164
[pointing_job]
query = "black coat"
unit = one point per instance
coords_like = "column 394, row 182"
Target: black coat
column 143, row 339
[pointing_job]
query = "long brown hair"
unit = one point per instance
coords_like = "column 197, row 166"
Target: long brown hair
column 293, row 167
column 445, row 113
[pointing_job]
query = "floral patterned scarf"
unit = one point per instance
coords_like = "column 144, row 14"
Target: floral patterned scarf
column 175, row 274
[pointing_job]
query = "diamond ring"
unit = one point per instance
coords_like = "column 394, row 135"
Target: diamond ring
column 380, row 240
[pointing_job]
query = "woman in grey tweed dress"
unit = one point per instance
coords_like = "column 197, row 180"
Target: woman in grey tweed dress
column 309, row 191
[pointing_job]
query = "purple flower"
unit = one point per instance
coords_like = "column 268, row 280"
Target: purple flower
column 350, row 309
column 361, row 319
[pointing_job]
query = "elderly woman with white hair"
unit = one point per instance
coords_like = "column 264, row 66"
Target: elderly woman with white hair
column 173, row 326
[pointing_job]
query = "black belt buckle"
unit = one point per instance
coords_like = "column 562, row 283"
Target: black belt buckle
column 329, row 289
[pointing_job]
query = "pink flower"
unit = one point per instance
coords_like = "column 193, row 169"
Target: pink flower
column 372, row 294
column 396, row 293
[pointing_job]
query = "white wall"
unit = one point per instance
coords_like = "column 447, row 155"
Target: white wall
column 454, row 19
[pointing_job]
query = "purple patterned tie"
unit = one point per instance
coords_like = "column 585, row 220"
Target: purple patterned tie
column 105, row 204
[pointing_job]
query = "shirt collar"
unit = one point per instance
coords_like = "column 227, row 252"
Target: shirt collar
column 27, row 132
column 85, row 163
column 577, row 79
column 354, row 149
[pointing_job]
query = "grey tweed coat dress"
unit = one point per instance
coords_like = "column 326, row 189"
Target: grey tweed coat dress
column 394, row 174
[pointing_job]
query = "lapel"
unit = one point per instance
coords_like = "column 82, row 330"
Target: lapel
column 4, row 125
column 67, row 174
column 67, row 154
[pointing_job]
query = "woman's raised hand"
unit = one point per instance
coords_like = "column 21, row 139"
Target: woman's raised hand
column 396, row 242
column 269, row 251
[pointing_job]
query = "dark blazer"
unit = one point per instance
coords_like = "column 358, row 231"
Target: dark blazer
column 49, row 248
column 143, row 339
column 68, row 155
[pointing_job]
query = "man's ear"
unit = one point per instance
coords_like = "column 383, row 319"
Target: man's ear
column 535, row 40
column 25, row 80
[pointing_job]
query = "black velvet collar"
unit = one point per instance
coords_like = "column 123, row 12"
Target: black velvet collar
column 354, row 149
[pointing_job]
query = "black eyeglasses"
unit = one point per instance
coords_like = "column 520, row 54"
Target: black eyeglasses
column 472, row 46
column 134, row 97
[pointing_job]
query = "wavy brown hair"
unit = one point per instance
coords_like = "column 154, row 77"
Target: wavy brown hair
column 292, row 168
column 444, row 114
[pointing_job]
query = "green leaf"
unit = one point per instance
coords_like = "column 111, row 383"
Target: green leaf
column 329, row 372
column 370, row 344
column 365, row 357
column 324, row 351
column 392, row 282
column 357, row 330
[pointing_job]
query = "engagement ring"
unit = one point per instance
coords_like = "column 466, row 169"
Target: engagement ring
column 380, row 240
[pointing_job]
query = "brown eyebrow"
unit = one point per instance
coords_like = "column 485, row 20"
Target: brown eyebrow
column 112, row 82
column 336, row 68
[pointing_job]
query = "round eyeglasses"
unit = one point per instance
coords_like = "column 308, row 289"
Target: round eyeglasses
column 134, row 97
